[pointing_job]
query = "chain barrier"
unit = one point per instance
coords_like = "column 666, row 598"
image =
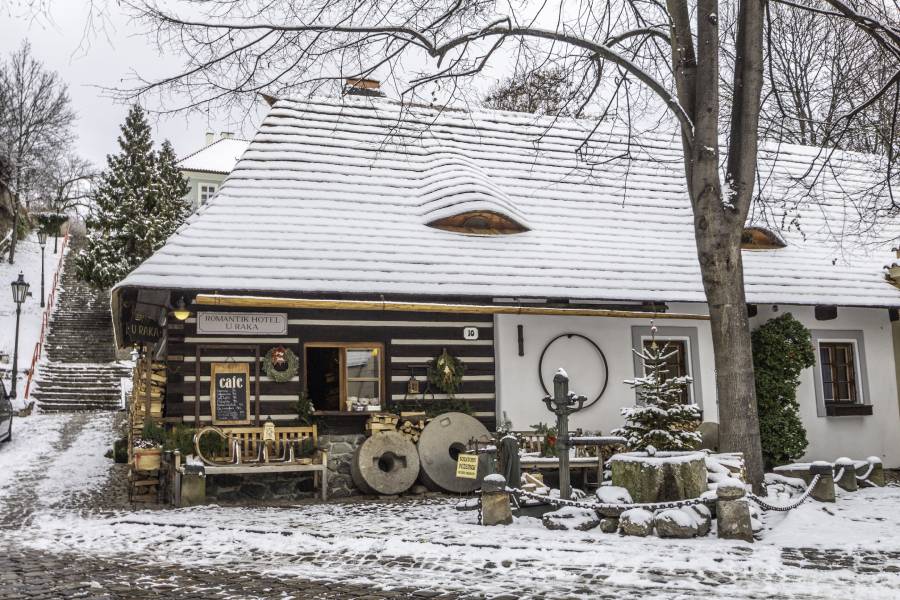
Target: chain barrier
column 609, row 506
column 480, row 516
column 840, row 474
column 778, row 508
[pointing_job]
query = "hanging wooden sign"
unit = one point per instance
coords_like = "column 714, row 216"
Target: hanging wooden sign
column 238, row 323
column 467, row 466
column 229, row 393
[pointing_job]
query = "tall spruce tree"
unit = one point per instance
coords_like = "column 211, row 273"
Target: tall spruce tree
column 660, row 419
column 138, row 203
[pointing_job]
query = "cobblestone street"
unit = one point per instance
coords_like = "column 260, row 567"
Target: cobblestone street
column 67, row 531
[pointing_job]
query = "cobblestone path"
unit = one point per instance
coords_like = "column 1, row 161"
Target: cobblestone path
column 67, row 531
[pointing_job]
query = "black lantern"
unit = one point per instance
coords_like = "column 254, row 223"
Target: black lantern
column 19, row 293
column 181, row 311
column 42, row 237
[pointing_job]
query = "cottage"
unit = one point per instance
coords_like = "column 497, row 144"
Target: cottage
column 358, row 241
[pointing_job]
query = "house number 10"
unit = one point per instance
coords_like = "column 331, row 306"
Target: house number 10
column 470, row 333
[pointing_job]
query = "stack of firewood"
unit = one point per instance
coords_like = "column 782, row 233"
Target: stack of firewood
column 412, row 425
column 381, row 422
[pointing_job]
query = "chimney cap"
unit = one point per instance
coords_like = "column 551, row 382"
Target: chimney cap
column 362, row 86
column 210, row 137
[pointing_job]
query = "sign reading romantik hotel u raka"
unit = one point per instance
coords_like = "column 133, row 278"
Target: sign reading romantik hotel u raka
column 240, row 323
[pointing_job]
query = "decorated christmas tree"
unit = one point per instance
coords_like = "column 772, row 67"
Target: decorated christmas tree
column 139, row 202
column 660, row 418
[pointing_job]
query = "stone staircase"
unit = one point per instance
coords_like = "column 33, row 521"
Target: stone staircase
column 79, row 370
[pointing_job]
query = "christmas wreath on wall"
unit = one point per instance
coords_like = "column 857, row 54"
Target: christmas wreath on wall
column 446, row 372
column 281, row 364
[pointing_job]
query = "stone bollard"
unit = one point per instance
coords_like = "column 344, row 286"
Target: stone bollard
column 193, row 486
column 823, row 491
column 847, row 480
column 732, row 513
column 876, row 476
column 495, row 509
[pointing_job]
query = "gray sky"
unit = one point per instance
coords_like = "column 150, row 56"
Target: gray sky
column 106, row 59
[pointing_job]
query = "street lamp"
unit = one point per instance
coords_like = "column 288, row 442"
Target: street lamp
column 19, row 292
column 42, row 240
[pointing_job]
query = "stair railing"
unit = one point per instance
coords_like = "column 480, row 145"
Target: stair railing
column 45, row 318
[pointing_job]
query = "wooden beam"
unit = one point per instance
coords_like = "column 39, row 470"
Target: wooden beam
column 389, row 306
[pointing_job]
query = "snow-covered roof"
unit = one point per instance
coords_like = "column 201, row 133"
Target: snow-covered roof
column 333, row 196
column 217, row 157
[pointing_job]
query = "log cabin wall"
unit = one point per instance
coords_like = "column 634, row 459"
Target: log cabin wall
column 409, row 340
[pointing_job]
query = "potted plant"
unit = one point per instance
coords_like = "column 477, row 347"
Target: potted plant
column 148, row 448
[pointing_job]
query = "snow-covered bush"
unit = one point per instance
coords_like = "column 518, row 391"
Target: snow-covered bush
column 660, row 419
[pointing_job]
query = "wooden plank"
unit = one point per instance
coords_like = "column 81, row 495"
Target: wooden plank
column 429, row 307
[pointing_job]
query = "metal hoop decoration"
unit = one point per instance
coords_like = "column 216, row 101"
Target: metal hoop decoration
column 589, row 341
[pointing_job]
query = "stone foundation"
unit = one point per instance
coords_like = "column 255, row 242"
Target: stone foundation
column 290, row 486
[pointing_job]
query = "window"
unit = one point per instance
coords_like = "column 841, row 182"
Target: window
column 759, row 238
column 345, row 377
column 676, row 364
column 838, row 365
column 206, row 192
column 482, row 222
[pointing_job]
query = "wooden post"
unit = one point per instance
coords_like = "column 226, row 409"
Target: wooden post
column 197, row 355
column 257, row 387
column 148, row 398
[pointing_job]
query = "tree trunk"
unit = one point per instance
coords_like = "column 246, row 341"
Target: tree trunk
column 723, row 279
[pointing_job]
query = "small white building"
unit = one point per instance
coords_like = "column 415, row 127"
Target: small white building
column 520, row 244
column 208, row 167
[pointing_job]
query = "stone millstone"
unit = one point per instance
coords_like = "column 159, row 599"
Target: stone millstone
column 663, row 477
column 386, row 463
column 442, row 440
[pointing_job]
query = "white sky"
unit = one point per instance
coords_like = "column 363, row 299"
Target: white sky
column 108, row 57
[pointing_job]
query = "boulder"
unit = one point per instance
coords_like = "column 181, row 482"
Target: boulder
column 704, row 518
column 636, row 521
column 570, row 517
column 609, row 525
column 611, row 494
column 676, row 523
column 664, row 477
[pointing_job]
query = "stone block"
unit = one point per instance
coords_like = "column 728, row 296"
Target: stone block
column 847, row 471
column 733, row 514
column 495, row 509
column 193, row 490
column 663, row 477
column 823, row 491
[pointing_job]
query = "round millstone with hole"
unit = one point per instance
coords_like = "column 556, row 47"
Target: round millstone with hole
column 441, row 442
column 386, row 463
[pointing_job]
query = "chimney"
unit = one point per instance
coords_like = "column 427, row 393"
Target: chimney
column 210, row 137
column 359, row 86
column 227, row 135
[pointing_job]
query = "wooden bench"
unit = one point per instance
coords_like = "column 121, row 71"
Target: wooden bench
column 531, row 457
column 248, row 454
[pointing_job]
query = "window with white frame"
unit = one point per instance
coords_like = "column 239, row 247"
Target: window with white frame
column 838, row 370
column 676, row 352
column 685, row 359
column 206, row 192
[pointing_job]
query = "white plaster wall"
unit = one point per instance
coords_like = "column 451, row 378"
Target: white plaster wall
column 858, row 436
column 519, row 390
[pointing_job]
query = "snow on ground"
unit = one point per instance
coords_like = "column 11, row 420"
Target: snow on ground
column 851, row 548
column 28, row 260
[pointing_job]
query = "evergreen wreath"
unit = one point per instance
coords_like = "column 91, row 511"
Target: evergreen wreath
column 277, row 357
column 446, row 372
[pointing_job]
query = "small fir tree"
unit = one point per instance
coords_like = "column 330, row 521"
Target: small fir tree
column 782, row 349
column 660, row 419
column 138, row 203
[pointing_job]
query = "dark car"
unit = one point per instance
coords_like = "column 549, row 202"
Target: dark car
column 6, row 415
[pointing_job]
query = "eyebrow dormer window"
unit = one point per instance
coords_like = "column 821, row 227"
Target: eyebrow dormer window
column 759, row 238
column 480, row 222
